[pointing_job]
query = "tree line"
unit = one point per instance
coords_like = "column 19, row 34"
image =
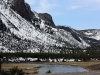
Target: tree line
column 82, row 55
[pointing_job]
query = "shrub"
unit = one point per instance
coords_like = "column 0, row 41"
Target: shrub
column 12, row 71
column 48, row 71
column 3, row 72
column 15, row 70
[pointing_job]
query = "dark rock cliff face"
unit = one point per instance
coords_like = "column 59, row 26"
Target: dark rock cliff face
column 48, row 19
column 65, row 28
column 2, row 26
column 22, row 9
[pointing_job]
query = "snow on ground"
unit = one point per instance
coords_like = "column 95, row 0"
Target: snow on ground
column 95, row 34
column 4, row 49
column 26, row 30
column 23, row 28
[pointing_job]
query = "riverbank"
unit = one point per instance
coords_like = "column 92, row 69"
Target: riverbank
column 28, row 69
column 32, row 69
column 90, row 65
column 76, row 73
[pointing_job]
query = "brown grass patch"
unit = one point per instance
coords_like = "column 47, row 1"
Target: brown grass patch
column 25, row 67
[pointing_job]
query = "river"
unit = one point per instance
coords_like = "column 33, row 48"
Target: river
column 59, row 68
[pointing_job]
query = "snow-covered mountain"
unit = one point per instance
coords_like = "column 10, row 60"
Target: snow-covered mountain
column 92, row 33
column 24, row 30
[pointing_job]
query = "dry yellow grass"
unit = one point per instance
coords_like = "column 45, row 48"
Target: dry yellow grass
column 25, row 67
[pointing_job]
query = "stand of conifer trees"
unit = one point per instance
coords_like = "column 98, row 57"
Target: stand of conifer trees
column 65, row 53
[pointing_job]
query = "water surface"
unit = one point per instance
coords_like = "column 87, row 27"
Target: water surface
column 59, row 68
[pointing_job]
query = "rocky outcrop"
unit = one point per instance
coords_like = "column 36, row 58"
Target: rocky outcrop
column 48, row 19
column 22, row 9
column 2, row 26
column 65, row 28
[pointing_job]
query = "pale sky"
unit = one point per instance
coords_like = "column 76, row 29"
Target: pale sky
column 78, row 14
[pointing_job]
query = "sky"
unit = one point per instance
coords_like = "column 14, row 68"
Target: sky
column 78, row 14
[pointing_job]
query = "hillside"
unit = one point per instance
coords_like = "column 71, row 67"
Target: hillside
column 23, row 30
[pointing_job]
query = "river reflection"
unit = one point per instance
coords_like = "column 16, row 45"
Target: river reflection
column 60, row 68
